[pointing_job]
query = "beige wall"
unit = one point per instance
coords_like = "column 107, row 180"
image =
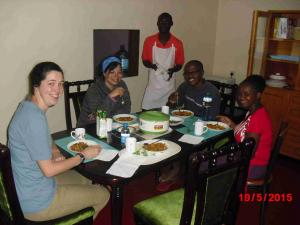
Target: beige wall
column 215, row 31
column 233, row 32
column 62, row 31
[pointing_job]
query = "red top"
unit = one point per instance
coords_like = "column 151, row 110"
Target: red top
column 149, row 43
column 260, row 123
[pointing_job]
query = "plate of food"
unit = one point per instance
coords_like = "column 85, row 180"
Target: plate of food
column 182, row 113
column 216, row 125
column 153, row 151
column 175, row 120
column 124, row 118
column 80, row 145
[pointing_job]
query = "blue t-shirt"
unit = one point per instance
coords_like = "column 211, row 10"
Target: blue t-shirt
column 29, row 140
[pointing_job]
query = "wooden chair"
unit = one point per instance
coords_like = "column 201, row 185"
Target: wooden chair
column 77, row 98
column 10, row 210
column 263, row 185
column 214, row 180
column 228, row 97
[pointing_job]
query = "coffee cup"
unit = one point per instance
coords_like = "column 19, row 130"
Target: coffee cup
column 130, row 144
column 200, row 128
column 78, row 133
column 165, row 109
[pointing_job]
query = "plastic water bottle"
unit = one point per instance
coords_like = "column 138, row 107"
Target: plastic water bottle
column 207, row 103
column 125, row 133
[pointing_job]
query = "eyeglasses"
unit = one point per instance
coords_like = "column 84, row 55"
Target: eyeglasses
column 191, row 72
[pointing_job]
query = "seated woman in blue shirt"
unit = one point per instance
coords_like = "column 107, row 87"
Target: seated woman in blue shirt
column 46, row 187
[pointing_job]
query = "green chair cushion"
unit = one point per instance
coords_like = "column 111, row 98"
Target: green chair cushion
column 164, row 209
column 77, row 217
column 220, row 143
column 4, row 205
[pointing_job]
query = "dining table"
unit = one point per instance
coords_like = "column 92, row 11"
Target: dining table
column 96, row 170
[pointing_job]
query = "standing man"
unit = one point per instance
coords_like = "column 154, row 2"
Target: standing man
column 163, row 54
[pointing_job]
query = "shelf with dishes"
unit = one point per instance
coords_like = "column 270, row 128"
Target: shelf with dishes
column 282, row 61
column 277, row 80
column 284, row 40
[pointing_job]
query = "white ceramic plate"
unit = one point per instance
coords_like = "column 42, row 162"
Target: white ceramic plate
column 224, row 125
column 175, row 120
column 120, row 118
column 152, row 157
column 276, row 84
column 277, row 77
column 88, row 142
column 181, row 113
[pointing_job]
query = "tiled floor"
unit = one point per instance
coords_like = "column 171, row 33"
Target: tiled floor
column 286, row 180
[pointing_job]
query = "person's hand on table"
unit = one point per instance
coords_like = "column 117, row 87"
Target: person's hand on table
column 225, row 119
column 91, row 151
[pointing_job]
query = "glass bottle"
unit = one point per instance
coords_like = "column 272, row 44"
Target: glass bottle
column 125, row 133
column 102, row 125
column 98, row 116
column 123, row 55
column 207, row 103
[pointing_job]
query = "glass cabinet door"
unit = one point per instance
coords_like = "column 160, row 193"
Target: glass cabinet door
column 258, row 42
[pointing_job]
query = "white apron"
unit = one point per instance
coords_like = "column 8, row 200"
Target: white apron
column 159, row 89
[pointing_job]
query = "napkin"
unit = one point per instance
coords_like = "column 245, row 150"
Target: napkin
column 191, row 139
column 107, row 154
column 125, row 166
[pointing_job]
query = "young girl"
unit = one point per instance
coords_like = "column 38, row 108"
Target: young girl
column 257, row 124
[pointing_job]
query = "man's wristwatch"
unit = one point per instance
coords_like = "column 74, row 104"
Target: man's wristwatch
column 82, row 158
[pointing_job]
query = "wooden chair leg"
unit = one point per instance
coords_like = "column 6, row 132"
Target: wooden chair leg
column 264, row 203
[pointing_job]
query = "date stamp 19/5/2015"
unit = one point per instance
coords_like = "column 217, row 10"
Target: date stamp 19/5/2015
column 268, row 197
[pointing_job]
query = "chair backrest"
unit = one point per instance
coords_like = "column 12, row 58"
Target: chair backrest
column 10, row 210
column 77, row 96
column 227, row 93
column 217, row 177
column 275, row 150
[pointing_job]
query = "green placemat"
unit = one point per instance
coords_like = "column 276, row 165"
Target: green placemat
column 63, row 143
column 189, row 128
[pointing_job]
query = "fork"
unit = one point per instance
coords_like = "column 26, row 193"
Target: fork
column 153, row 142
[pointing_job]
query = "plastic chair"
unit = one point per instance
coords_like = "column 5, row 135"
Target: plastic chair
column 77, row 98
column 214, row 180
column 10, row 210
column 263, row 185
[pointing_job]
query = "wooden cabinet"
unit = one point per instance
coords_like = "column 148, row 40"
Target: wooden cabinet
column 281, row 103
column 276, row 102
column 291, row 144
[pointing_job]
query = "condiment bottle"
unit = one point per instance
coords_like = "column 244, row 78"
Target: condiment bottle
column 125, row 133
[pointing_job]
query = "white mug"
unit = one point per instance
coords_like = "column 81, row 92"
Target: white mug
column 78, row 133
column 200, row 128
column 130, row 144
column 165, row 109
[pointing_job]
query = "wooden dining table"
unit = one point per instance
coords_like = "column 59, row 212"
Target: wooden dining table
column 96, row 170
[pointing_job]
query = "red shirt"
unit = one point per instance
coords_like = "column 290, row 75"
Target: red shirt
column 149, row 43
column 260, row 123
